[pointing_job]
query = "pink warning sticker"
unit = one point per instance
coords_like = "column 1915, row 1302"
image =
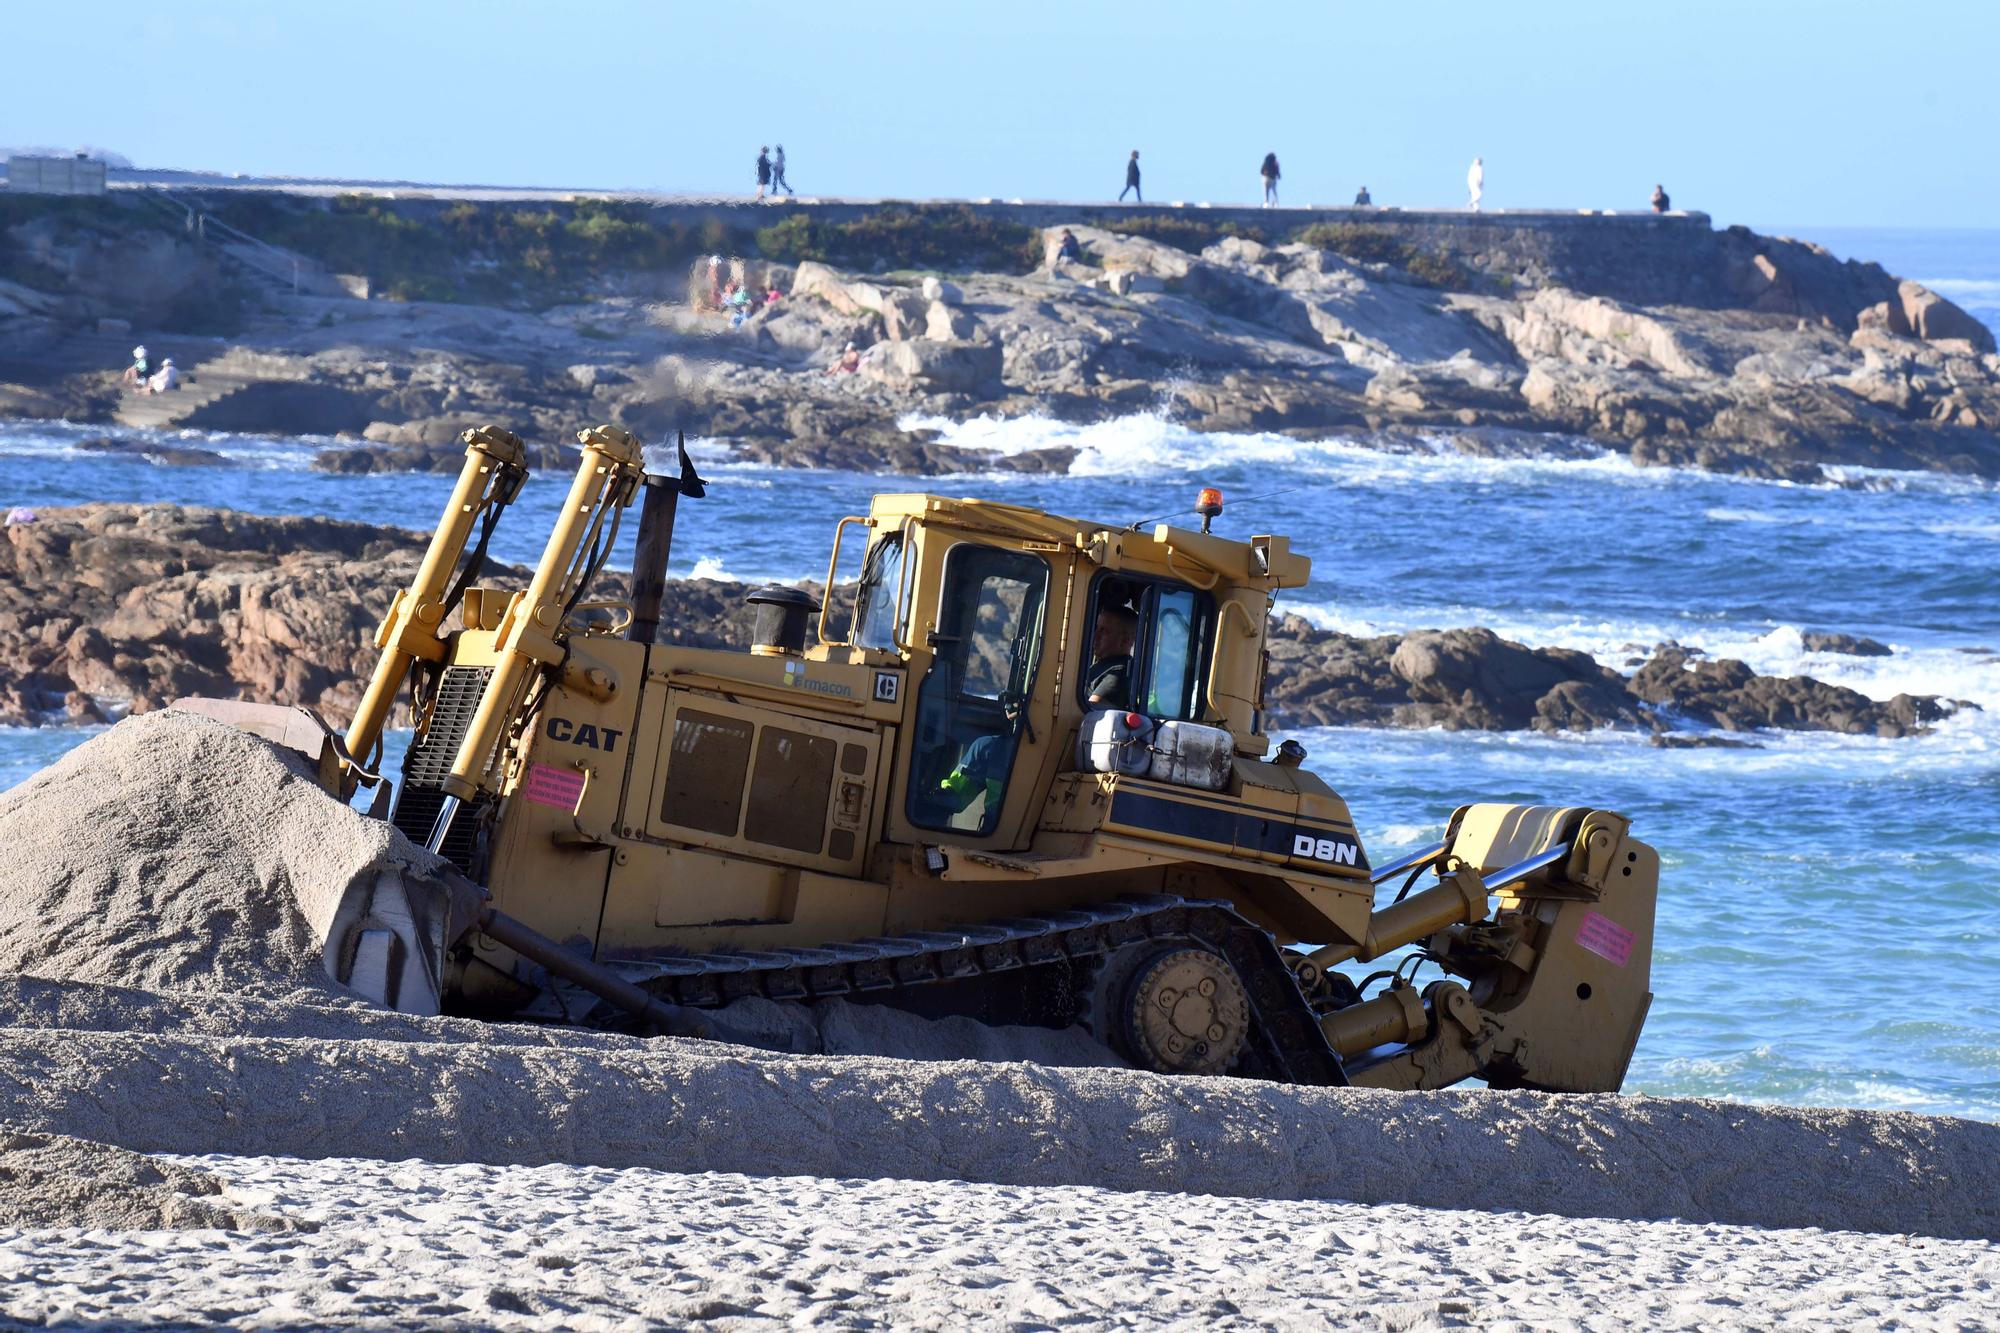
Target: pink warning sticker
column 558, row 787
column 1605, row 938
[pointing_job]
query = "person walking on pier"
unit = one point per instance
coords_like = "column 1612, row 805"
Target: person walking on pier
column 1660, row 201
column 1475, row 182
column 763, row 170
column 1362, row 199
column 1132, row 179
column 1269, row 171
column 778, row 181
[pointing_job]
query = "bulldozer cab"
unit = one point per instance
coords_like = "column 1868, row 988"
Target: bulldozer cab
column 1014, row 625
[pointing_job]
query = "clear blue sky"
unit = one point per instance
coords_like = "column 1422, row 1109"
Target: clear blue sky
column 1831, row 112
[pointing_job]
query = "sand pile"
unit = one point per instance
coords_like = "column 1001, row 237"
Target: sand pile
column 176, row 853
column 682, row 1105
column 49, row 1180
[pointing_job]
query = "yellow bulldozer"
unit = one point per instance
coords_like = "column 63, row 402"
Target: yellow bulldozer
column 1016, row 770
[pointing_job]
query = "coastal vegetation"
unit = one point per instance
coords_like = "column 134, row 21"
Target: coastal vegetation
column 465, row 252
column 1192, row 234
column 947, row 237
column 1371, row 245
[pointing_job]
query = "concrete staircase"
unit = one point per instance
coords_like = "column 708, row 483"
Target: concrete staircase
column 206, row 383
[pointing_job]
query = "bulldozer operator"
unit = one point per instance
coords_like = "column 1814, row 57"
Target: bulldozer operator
column 1111, row 645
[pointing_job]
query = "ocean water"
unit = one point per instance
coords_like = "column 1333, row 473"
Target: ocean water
column 1828, row 931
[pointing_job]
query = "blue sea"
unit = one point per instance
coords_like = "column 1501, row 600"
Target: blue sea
column 1829, row 928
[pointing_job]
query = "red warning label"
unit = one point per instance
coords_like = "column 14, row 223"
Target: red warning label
column 1605, row 938
column 557, row 787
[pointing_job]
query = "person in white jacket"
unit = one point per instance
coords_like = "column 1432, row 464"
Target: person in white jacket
column 1475, row 182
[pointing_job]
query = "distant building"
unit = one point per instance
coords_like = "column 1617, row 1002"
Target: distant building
column 55, row 175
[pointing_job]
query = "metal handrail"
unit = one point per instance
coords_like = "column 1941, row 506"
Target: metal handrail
column 266, row 258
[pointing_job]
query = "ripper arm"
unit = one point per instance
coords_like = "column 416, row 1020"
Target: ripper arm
column 531, row 638
column 495, row 468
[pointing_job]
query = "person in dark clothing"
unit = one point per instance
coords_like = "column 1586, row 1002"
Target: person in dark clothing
column 778, row 181
column 1362, row 199
column 1269, row 171
column 1067, row 247
column 1116, row 634
column 763, row 170
column 1660, row 201
column 1132, row 179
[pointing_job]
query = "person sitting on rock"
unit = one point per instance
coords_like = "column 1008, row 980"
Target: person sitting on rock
column 1362, row 198
column 771, row 294
column 736, row 302
column 1111, row 644
column 140, row 370
column 165, row 379
column 1068, row 248
column 1660, row 201
column 850, row 361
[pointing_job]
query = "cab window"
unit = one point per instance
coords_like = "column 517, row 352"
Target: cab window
column 1148, row 647
column 972, row 704
column 881, row 586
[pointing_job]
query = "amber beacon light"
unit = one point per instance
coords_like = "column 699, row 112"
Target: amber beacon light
column 1209, row 505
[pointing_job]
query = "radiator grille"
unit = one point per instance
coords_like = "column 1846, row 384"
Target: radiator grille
column 430, row 758
column 434, row 750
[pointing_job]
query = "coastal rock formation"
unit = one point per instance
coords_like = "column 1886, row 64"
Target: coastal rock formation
column 111, row 607
column 1727, row 694
column 1472, row 679
column 114, row 607
column 1665, row 339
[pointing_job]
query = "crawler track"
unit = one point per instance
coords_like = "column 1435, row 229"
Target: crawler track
column 1286, row 1045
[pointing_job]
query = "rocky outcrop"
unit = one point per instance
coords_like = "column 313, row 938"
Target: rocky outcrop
column 1675, row 343
column 105, row 608
column 1472, row 679
column 446, row 455
column 1726, row 693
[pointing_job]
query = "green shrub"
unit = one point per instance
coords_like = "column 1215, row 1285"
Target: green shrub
column 950, row 237
column 1372, row 245
column 1192, row 234
column 469, row 252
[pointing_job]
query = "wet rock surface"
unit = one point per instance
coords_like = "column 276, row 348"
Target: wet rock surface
column 105, row 608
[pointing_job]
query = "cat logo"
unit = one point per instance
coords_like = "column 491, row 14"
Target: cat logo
column 1337, row 850
column 885, row 687
column 575, row 733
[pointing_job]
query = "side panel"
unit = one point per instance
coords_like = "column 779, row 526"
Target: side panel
column 762, row 784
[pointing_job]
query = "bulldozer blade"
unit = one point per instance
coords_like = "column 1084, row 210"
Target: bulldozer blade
column 389, row 934
column 300, row 730
column 386, row 936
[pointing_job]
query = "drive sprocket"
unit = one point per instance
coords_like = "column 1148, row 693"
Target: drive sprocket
column 1170, row 1006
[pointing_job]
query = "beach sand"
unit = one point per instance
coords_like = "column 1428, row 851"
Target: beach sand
column 327, row 1162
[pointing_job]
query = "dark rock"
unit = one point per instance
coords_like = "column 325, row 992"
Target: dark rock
column 161, row 455
column 1702, row 740
column 1855, row 646
column 1473, row 678
column 363, row 459
column 1728, row 694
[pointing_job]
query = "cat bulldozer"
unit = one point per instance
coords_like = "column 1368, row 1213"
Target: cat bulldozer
column 1014, row 768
